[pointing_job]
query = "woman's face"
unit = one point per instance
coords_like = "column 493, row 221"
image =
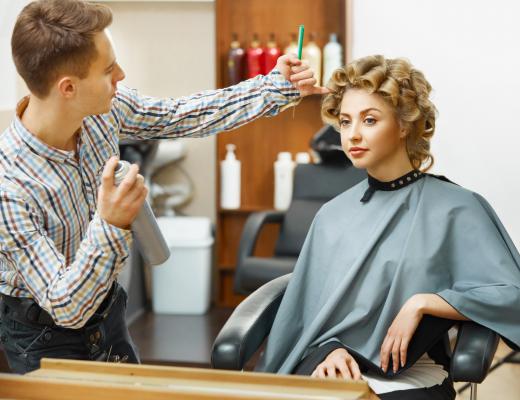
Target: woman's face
column 371, row 135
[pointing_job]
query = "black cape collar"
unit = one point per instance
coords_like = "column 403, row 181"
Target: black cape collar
column 396, row 184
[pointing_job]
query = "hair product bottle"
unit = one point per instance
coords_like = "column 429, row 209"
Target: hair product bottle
column 303, row 157
column 272, row 52
column 292, row 48
column 312, row 54
column 236, row 62
column 332, row 57
column 283, row 180
column 230, row 180
column 149, row 238
column 255, row 58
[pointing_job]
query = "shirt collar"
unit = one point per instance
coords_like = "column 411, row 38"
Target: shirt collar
column 38, row 146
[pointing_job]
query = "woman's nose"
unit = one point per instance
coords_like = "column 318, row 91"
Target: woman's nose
column 354, row 134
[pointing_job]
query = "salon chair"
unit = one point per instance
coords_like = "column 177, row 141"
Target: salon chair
column 251, row 322
column 314, row 185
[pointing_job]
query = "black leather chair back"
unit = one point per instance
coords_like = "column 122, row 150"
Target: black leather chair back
column 314, row 185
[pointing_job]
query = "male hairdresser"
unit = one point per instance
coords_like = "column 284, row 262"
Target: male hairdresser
column 64, row 235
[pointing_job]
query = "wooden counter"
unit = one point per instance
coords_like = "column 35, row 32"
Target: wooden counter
column 64, row 379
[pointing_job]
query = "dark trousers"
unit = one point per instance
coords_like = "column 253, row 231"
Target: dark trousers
column 444, row 391
column 105, row 336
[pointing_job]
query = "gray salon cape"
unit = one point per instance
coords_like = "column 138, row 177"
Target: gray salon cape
column 362, row 261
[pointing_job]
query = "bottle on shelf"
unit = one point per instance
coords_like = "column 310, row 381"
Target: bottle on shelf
column 272, row 52
column 255, row 58
column 292, row 48
column 303, row 157
column 332, row 57
column 283, row 180
column 236, row 62
column 312, row 54
column 230, row 180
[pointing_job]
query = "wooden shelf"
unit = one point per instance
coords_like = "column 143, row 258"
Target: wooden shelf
column 226, row 267
column 258, row 143
column 246, row 210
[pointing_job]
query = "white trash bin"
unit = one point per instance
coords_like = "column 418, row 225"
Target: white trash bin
column 182, row 284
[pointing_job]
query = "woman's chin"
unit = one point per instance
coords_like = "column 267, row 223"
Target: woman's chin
column 360, row 164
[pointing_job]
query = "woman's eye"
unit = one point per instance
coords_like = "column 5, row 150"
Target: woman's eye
column 344, row 122
column 370, row 121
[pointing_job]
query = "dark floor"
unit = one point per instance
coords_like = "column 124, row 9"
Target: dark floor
column 182, row 340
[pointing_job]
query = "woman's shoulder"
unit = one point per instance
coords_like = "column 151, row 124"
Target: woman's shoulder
column 450, row 195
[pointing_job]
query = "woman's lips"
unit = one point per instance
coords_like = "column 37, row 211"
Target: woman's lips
column 357, row 151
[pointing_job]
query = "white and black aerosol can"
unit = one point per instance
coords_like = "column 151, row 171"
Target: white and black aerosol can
column 149, row 238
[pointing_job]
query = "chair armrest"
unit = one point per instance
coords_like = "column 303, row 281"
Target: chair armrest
column 248, row 240
column 248, row 326
column 252, row 229
column 473, row 353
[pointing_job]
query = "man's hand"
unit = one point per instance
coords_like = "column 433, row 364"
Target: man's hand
column 400, row 333
column 119, row 205
column 339, row 363
column 299, row 74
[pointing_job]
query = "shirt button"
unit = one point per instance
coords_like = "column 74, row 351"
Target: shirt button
column 47, row 336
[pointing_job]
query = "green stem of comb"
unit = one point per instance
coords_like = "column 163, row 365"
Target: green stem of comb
column 300, row 41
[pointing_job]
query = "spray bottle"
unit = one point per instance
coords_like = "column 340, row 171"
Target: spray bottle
column 149, row 238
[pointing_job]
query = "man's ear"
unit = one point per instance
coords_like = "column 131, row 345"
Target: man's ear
column 67, row 87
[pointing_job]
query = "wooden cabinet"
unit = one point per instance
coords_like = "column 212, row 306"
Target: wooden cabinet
column 258, row 143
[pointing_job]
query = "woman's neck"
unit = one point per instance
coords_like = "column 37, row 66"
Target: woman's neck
column 391, row 169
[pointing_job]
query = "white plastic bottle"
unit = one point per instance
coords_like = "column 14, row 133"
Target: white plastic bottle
column 312, row 54
column 283, row 181
column 292, row 48
column 303, row 158
column 332, row 57
column 230, row 180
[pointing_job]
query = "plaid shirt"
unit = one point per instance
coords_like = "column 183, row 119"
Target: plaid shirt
column 54, row 247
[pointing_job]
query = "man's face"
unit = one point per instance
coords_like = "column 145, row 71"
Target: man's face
column 96, row 91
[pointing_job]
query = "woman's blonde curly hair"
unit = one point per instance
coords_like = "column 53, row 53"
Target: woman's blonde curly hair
column 402, row 86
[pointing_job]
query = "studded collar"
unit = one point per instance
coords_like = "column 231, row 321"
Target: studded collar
column 396, row 184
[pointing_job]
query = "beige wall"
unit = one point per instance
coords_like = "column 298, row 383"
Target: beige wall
column 6, row 116
column 168, row 49
column 5, row 119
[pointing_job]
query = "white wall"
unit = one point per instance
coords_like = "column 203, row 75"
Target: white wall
column 469, row 52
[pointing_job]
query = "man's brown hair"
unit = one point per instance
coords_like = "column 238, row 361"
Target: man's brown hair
column 52, row 37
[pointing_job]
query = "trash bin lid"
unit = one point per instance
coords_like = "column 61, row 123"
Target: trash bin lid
column 186, row 231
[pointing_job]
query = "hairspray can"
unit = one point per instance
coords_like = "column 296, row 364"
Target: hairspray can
column 149, row 238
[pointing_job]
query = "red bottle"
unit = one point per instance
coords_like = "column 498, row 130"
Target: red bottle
column 236, row 62
column 272, row 52
column 255, row 58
